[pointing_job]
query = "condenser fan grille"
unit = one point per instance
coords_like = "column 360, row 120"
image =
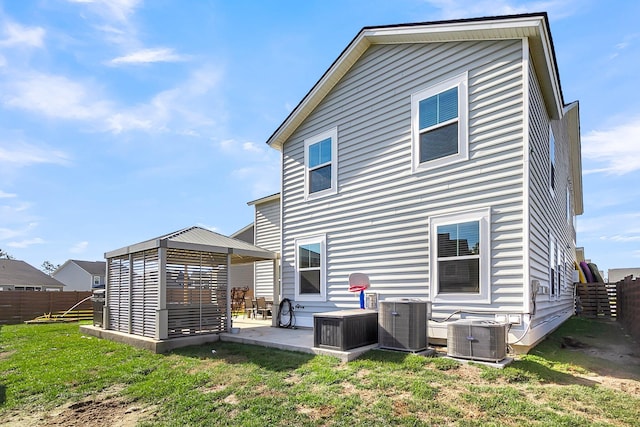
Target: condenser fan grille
column 477, row 340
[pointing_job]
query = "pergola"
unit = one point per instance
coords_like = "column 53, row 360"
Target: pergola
column 175, row 285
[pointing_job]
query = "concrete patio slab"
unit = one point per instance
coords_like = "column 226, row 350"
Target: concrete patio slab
column 260, row 332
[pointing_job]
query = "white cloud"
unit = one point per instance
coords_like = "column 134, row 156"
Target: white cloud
column 185, row 108
column 208, row 227
column 118, row 10
column 4, row 195
column 617, row 226
column 622, row 238
column 262, row 179
column 231, row 146
column 20, row 154
column 79, row 247
column 120, row 122
column 616, row 150
column 189, row 104
column 623, row 45
column 12, row 233
column 19, row 35
column 54, row 96
column 146, row 56
column 26, row 243
column 455, row 9
column 252, row 148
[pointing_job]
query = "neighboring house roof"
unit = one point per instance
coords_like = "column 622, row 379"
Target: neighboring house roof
column 95, row 268
column 265, row 199
column 19, row 273
column 534, row 27
column 242, row 230
column 200, row 239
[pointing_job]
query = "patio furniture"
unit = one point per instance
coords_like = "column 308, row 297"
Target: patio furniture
column 249, row 307
column 262, row 307
column 237, row 299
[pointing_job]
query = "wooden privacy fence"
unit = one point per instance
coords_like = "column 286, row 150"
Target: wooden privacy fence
column 20, row 306
column 629, row 306
column 597, row 299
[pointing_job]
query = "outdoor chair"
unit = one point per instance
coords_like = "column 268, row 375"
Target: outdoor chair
column 262, row 308
column 249, row 308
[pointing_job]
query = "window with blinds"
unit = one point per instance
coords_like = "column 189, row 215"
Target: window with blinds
column 439, row 124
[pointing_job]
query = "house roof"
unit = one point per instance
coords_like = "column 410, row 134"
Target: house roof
column 242, row 230
column 534, row 27
column 19, row 273
column 265, row 199
column 200, row 239
column 95, row 268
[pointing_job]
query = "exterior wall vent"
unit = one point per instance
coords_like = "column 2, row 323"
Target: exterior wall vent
column 477, row 340
column 402, row 325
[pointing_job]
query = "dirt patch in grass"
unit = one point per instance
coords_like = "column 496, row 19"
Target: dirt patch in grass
column 103, row 409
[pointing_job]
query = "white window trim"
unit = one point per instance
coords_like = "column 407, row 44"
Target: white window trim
column 483, row 216
column 461, row 81
column 568, row 208
column 322, row 239
column 554, row 256
column 333, row 134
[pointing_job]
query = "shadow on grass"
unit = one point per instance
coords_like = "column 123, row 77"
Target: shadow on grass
column 235, row 353
column 599, row 346
column 548, row 375
column 3, row 394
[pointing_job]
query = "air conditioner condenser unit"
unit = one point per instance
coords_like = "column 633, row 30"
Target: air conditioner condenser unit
column 484, row 340
column 402, row 325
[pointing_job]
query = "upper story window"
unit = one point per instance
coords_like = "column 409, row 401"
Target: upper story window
column 439, row 124
column 310, row 277
column 96, row 281
column 552, row 161
column 321, row 172
column 459, row 254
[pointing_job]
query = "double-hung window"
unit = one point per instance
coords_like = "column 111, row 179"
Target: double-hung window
column 439, row 124
column 459, row 254
column 310, row 277
column 321, row 152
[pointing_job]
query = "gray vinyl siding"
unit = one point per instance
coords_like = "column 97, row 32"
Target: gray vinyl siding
column 378, row 223
column 267, row 236
column 75, row 278
column 547, row 211
column 242, row 276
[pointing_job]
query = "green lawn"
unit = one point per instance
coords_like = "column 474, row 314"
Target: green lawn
column 44, row 367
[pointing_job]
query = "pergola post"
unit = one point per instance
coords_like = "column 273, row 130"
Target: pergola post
column 229, row 313
column 129, row 326
column 276, row 291
column 105, row 308
column 162, row 315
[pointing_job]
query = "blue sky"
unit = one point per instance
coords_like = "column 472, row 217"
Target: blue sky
column 123, row 120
